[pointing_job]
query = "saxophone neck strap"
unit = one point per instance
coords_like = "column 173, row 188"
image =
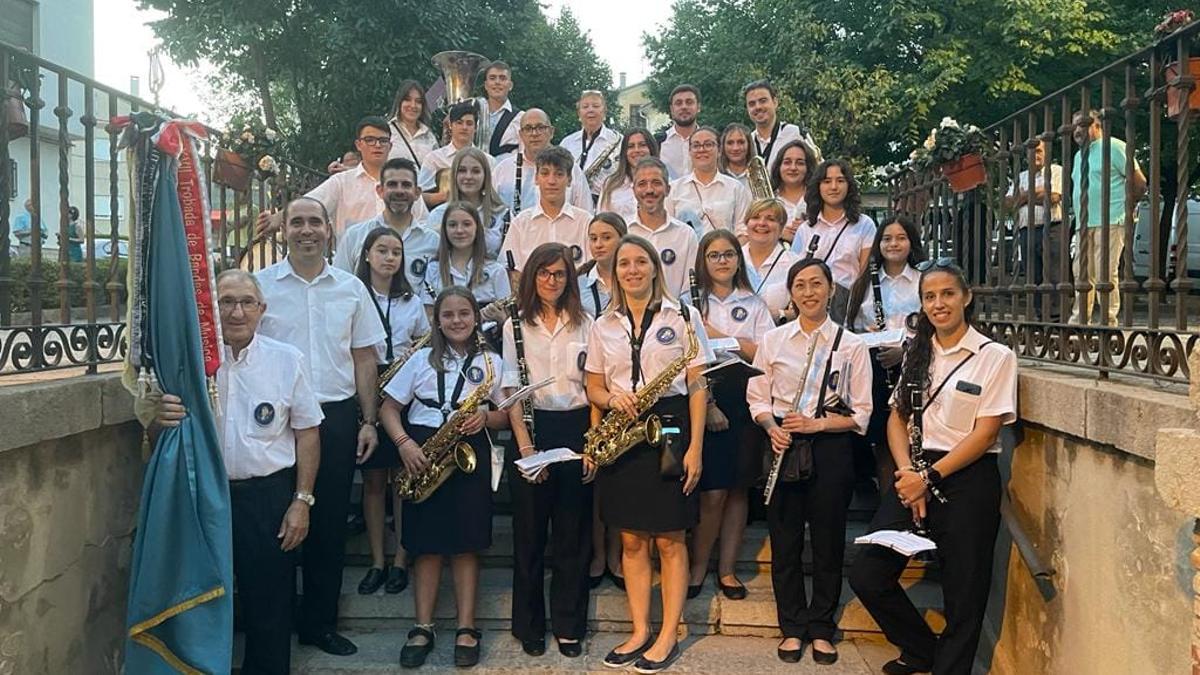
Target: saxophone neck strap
column 447, row 406
column 386, row 318
column 635, row 344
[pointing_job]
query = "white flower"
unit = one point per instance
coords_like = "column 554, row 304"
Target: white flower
column 247, row 136
column 930, row 140
column 948, row 122
column 267, row 164
column 270, row 134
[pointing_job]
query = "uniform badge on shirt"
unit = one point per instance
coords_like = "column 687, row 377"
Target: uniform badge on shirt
column 576, row 253
column 418, row 267
column 486, row 276
column 581, row 360
column 665, row 335
column 475, row 374
column 834, row 378
column 668, row 256
column 739, row 314
column 264, row 414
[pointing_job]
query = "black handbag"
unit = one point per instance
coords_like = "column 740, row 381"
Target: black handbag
column 798, row 461
column 670, row 460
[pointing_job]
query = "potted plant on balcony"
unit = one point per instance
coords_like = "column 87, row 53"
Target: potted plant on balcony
column 956, row 151
column 243, row 153
column 1171, row 23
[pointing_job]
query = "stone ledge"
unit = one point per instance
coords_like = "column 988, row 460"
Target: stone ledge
column 1124, row 416
column 42, row 411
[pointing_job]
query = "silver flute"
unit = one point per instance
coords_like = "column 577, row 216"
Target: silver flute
column 773, row 477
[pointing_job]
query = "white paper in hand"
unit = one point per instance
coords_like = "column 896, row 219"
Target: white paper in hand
column 905, row 543
column 524, row 392
column 884, row 338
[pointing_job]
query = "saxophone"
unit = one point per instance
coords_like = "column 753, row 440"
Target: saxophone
column 618, row 433
column 603, row 161
column 387, row 375
column 446, row 450
column 759, row 179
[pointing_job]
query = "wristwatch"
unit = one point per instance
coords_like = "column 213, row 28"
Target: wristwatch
column 305, row 497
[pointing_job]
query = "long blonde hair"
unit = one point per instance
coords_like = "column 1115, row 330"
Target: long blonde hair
column 489, row 201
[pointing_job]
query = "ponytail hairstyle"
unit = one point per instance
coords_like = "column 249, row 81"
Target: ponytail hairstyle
column 918, row 353
column 438, row 345
column 916, row 254
column 613, row 220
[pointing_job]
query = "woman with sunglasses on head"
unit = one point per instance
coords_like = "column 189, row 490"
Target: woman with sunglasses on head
column 767, row 258
column 814, row 395
column 959, row 388
column 881, row 299
column 381, row 268
column 473, row 185
column 455, row 521
column 647, row 492
column 617, row 193
column 732, row 442
column 462, row 261
column 548, row 339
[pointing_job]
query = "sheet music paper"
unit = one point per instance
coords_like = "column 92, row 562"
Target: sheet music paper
column 906, row 543
column 524, row 392
column 884, row 338
column 532, row 466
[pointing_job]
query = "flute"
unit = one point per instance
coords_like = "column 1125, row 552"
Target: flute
column 773, row 477
column 522, row 364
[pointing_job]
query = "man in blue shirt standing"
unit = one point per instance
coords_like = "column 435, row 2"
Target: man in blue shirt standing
column 22, row 229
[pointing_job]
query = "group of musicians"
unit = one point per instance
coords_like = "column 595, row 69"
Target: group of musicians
column 620, row 267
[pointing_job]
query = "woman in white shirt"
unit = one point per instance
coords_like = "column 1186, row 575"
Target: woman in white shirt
column 473, row 184
column 767, row 258
column 617, row 193
column 595, row 275
column 553, row 331
column 411, row 136
column 461, row 261
column 789, row 175
column 966, row 386
column 735, row 151
column 381, row 268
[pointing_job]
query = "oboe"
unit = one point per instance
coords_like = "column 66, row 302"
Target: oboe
column 522, row 364
column 516, row 207
column 916, row 441
column 773, row 477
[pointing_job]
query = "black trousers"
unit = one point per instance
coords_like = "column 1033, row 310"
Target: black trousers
column 820, row 503
column 1034, row 258
column 324, row 551
column 563, row 503
column 965, row 530
column 266, row 575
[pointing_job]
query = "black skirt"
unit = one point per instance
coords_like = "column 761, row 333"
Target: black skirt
column 732, row 458
column 386, row 455
column 634, row 496
column 457, row 517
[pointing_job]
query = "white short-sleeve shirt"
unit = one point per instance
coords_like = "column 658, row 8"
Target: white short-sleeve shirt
column 675, row 152
column 420, row 246
column 350, row 197
column 407, row 320
column 324, row 318
column 415, row 147
column 596, row 147
column 493, row 284
column 676, row 244
column 769, row 279
column 264, row 396
column 561, row 354
column 719, row 204
column 839, row 252
column 504, row 177
column 438, row 159
column 741, row 314
column 783, row 356
column 492, row 233
column 620, row 201
column 594, row 293
column 900, row 298
column 532, row 227
column 416, row 383
column 666, row 340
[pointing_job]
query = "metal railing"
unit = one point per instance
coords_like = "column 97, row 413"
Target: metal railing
column 62, row 286
column 1030, row 273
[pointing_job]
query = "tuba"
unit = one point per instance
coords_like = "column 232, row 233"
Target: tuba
column 759, row 179
column 617, row 433
column 446, row 450
column 459, row 70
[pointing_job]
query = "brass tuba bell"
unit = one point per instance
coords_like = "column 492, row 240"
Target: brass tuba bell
column 459, row 70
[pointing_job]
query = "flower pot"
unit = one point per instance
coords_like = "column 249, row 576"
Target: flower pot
column 965, row 173
column 1175, row 98
column 232, row 170
column 13, row 112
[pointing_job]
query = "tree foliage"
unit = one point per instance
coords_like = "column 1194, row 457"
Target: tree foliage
column 317, row 66
column 870, row 77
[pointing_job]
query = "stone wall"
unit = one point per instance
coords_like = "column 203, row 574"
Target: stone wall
column 1083, row 487
column 70, row 477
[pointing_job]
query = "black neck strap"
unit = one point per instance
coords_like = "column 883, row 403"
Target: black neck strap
column 635, row 344
column 387, row 321
column 929, row 401
column 837, row 341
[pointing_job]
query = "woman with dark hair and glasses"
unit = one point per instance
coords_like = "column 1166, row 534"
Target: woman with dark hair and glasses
column 732, row 442
column 814, row 395
column 881, row 299
column 411, row 136
column 617, row 193
column 958, row 388
column 381, row 268
column 833, row 207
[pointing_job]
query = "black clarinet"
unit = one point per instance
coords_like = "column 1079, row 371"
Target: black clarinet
column 916, row 436
column 694, row 289
column 880, row 317
column 516, row 207
column 522, row 365
column 812, row 246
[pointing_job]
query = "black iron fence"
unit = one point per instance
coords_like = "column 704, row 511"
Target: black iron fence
column 63, row 259
column 1088, row 197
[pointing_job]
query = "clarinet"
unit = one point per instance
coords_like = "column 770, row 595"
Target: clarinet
column 812, row 246
column 880, row 317
column 516, row 207
column 916, row 437
column 522, row 365
column 694, row 289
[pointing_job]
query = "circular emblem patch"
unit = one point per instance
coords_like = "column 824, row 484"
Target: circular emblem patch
column 475, row 374
column 576, row 253
column 665, row 335
column 581, row 360
column 834, row 377
column 264, row 414
column 739, row 313
column 486, row 276
column 418, row 267
column 668, row 256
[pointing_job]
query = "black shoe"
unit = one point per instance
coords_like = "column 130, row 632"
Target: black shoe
column 413, row 656
column 693, row 591
column 790, row 655
column 466, row 657
column 732, row 592
column 397, row 580
column 824, row 658
column 534, row 647
column 616, row 659
column 371, row 582
column 619, row 582
column 570, row 649
column 645, row 665
column 330, row 643
column 898, row 667
column 355, row 524
column 594, row 582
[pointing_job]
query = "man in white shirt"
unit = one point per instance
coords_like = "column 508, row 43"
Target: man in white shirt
column 502, row 119
column 349, row 196
column 267, row 419
column 675, row 242
column 673, row 147
column 593, row 140
column 770, row 134
column 398, row 189
column 707, row 199
column 551, row 219
column 1032, row 252
column 536, row 132
column 436, row 190
column 328, row 315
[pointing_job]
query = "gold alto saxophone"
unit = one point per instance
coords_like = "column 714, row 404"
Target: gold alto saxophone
column 387, row 375
column 617, row 432
column 602, row 162
column 446, row 450
column 759, row 179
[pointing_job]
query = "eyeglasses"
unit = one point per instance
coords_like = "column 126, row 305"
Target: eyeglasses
column 376, row 140
column 227, row 305
column 940, row 263
column 558, row 276
column 536, row 128
column 704, row 145
column 720, row 256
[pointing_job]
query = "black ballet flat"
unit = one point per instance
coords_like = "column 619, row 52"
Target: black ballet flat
column 534, row 647
column 570, row 649
column 397, row 580
column 693, row 591
column 898, row 667
column 616, row 659
column 732, row 592
column 619, row 582
column 645, row 665
column 371, row 582
column 824, row 658
column 413, row 656
column 466, row 657
column 790, row 655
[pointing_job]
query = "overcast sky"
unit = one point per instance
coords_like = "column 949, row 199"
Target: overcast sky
column 124, row 53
